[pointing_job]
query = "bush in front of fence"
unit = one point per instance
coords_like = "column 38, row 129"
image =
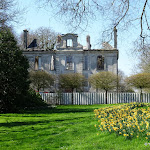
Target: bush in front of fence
column 33, row 100
column 129, row 120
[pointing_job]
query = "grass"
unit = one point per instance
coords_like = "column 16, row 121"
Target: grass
column 62, row 127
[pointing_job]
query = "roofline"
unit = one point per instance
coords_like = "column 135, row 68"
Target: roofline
column 90, row 50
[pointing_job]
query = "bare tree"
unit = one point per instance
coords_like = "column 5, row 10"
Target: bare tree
column 122, row 85
column 144, row 64
column 46, row 38
column 9, row 12
column 142, row 46
column 120, row 13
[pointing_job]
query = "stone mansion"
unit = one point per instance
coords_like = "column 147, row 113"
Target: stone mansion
column 69, row 56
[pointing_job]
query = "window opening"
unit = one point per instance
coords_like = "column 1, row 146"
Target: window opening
column 100, row 63
column 85, row 62
column 69, row 43
column 36, row 63
column 52, row 64
column 69, row 64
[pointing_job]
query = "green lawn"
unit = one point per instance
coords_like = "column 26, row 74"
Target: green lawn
column 62, row 127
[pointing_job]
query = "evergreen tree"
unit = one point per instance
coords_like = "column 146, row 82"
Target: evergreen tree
column 14, row 82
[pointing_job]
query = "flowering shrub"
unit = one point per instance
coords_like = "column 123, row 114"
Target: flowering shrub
column 129, row 120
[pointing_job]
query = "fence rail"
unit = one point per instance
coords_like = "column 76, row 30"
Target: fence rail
column 87, row 98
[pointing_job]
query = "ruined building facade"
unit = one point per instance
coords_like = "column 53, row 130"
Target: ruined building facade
column 71, row 57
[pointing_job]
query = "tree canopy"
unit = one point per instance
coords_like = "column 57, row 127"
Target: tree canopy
column 140, row 81
column 41, row 79
column 71, row 81
column 104, row 80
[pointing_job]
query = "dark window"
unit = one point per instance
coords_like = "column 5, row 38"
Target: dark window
column 85, row 62
column 69, row 64
column 100, row 62
column 36, row 66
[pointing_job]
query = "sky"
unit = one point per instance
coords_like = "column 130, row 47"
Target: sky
column 34, row 17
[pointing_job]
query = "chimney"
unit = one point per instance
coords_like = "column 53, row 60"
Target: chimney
column 58, row 38
column 88, row 42
column 25, row 39
column 115, row 37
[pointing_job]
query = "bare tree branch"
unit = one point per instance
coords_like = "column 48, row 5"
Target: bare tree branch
column 148, row 27
column 127, row 1
column 120, row 12
column 142, row 18
column 9, row 12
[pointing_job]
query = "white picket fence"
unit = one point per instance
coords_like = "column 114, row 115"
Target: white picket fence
column 87, row 98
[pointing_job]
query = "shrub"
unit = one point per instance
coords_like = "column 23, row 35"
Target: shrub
column 33, row 100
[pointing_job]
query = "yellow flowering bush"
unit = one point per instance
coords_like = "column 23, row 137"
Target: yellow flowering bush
column 129, row 120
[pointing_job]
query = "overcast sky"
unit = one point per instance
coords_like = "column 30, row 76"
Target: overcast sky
column 34, row 18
